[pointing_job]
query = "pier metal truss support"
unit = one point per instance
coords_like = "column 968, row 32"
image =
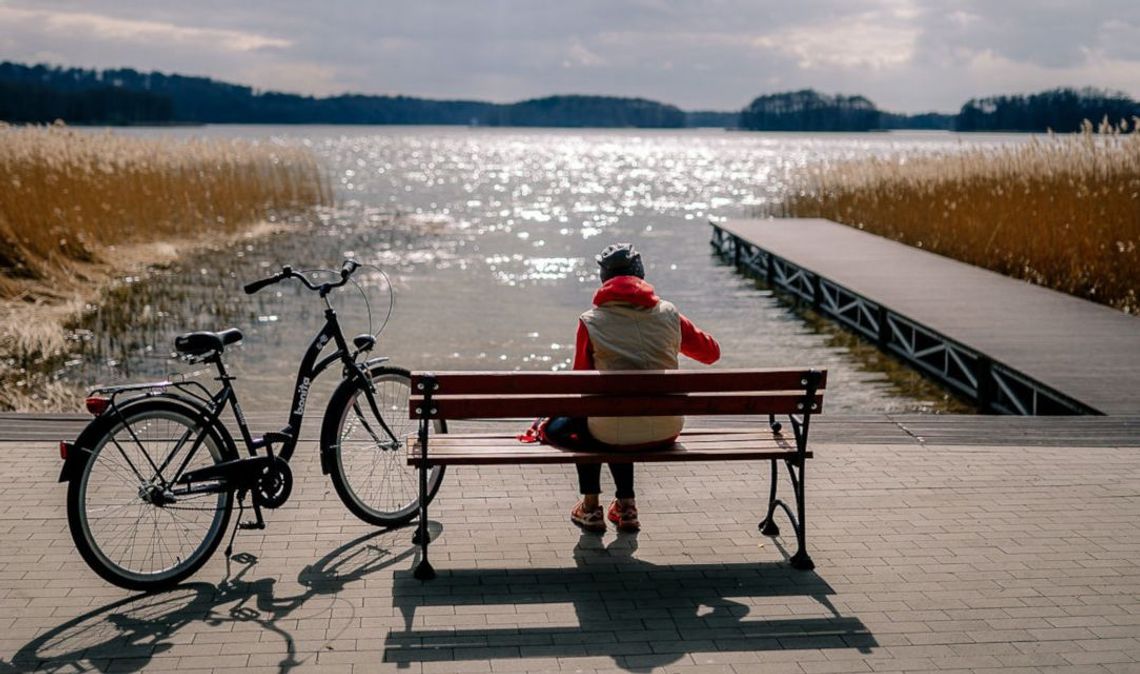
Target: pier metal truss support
column 853, row 311
column 992, row 386
column 1017, row 394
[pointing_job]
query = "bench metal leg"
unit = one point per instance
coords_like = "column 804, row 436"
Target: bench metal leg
column 801, row 560
column 424, row 570
column 768, row 524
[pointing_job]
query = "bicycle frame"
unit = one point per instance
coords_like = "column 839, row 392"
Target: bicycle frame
column 211, row 407
column 312, row 366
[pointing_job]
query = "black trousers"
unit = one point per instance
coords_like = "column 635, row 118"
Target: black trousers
column 572, row 433
column 590, row 478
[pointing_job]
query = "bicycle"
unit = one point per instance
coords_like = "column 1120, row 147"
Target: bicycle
column 153, row 478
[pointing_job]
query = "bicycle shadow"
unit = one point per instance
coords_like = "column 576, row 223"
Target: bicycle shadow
column 640, row 614
column 127, row 634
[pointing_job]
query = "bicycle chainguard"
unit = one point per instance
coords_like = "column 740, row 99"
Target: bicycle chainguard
column 237, row 472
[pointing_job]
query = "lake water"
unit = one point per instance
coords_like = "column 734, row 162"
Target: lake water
column 488, row 237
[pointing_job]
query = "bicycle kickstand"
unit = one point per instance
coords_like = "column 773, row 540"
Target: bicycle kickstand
column 258, row 523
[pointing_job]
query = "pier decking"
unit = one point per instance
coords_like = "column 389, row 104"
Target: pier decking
column 1012, row 346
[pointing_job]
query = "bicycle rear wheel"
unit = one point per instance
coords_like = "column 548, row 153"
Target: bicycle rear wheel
column 369, row 471
column 130, row 523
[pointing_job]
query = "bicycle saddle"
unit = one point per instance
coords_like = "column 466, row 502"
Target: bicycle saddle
column 202, row 343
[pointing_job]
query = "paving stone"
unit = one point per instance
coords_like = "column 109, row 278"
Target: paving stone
column 927, row 558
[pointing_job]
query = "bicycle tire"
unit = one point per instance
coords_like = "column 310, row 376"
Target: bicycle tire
column 350, row 456
column 147, row 420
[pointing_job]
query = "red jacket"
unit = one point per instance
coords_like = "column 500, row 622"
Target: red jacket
column 695, row 343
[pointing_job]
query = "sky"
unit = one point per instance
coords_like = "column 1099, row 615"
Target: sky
column 905, row 55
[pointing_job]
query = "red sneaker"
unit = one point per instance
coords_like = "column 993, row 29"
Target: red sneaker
column 589, row 520
column 624, row 516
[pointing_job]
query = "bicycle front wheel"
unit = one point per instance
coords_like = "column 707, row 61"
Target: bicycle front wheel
column 130, row 521
column 369, row 466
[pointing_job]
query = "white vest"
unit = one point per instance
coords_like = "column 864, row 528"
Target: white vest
column 629, row 337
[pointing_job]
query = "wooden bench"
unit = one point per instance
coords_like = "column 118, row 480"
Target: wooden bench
column 500, row 395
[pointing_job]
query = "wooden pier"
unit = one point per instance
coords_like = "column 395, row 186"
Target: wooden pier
column 1011, row 346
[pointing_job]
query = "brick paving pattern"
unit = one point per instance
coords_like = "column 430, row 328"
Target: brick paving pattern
column 947, row 558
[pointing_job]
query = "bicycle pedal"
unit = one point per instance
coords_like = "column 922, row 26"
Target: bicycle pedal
column 251, row 525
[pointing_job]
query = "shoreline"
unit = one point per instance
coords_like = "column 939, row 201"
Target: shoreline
column 35, row 336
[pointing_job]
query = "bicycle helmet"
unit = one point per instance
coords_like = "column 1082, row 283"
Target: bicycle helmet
column 620, row 259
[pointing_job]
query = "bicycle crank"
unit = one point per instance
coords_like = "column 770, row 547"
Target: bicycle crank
column 274, row 484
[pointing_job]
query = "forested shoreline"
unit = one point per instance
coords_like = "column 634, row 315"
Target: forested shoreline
column 40, row 94
column 43, row 94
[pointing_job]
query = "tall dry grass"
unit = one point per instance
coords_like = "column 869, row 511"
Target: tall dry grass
column 1059, row 211
column 75, row 207
column 67, row 196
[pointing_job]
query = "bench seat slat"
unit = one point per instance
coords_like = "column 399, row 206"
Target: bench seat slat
column 574, row 405
column 645, row 382
column 440, row 441
column 689, row 432
column 453, row 449
column 520, row 448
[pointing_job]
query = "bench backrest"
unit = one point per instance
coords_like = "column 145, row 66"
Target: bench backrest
column 489, row 395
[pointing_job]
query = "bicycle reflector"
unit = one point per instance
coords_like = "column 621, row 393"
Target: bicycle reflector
column 97, row 404
column 64, row 448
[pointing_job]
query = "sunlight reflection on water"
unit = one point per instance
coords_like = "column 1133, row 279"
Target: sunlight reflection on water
column 489, row 238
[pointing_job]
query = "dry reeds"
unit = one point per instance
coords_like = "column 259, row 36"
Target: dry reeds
column 1059, row 211
column 68, row 195
column 76, row 206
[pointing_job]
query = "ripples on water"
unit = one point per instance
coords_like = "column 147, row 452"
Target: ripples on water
column 489, row 237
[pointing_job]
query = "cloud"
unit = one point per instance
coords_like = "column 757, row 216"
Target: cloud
column 906, row 55
column 66, row 25
column 579, row 56
column 875, row 40
column 993, row 73
column 1119, row 39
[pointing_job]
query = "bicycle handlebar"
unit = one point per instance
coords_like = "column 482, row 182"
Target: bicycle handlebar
column 251, row 288
column 346, row 270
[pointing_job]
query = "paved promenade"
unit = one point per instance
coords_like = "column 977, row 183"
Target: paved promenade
column 929, row 556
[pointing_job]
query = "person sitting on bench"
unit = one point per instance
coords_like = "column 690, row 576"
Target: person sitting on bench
column 629, row 328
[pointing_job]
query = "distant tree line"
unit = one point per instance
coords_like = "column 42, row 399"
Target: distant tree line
column 39, row 94
column 22, row 102
column 711, row 119
column 1061, row 110
column 124, row 96
column 925, row 121
column 809, row 110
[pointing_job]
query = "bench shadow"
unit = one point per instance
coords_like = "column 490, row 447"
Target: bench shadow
column 127, row 634
column 640, row 614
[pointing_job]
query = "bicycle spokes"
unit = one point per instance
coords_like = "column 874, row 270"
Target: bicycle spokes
column 143, row 530
column 362, row 419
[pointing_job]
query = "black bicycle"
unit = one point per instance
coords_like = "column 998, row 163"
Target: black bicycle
column 154, row 477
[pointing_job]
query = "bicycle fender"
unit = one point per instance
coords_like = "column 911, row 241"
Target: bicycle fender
column 327, row 457
column 328, row 424
column 80, row 450
column 73, row 464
